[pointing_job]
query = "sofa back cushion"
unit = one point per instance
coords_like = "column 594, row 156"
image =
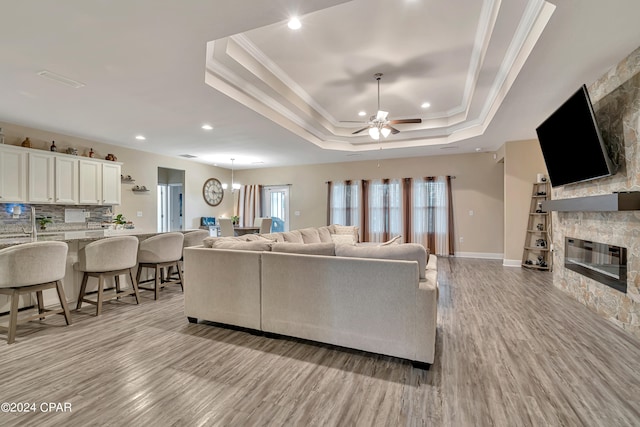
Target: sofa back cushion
column 276, row 237
column 328, row 249
column 310, row 235
column 325, row 234
column 292, row 236
column 256, row 245
column 208, row 241
column 404, row 252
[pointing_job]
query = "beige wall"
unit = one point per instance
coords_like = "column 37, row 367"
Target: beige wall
column 522, row 162
column 478, row 187
column 143, row 167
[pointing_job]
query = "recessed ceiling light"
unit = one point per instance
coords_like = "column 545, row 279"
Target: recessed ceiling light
column 425, row 105
column 478, row 149
column 207, row 127
column 362, row 113
column 294, row 23
column 140, row 137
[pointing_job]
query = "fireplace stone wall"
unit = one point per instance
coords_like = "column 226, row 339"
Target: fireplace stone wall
column 616, row 101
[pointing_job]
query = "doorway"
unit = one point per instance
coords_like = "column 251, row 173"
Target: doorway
column 275, row 204
column 170, row 199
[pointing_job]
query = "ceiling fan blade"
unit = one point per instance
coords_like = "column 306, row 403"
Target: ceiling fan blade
column 353, row 121
column 403, row 121
column 393, row 130
column 360, row 130
column 382, row 115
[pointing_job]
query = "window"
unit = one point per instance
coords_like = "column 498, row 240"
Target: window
column 430, row 211
column 384, row 209
column 344, row 203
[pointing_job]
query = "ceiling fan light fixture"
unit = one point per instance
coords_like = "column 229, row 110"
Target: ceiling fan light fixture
column 382, row 115
column 385, row 131
column 374, row 133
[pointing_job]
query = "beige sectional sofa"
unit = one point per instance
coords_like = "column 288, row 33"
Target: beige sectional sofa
column 381, row 299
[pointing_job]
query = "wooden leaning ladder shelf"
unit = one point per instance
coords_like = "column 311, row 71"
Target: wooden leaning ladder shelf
column 537, row 254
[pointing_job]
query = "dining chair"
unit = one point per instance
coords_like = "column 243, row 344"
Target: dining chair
column 33, row 267
column 226, row 227
column 265, row 226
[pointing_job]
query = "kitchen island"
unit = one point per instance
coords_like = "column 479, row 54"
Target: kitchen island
column 76, row 240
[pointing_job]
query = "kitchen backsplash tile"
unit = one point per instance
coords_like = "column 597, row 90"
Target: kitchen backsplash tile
column 8, row 224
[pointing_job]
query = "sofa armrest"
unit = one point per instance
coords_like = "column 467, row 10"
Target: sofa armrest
column 222, row 286
column 427, row 313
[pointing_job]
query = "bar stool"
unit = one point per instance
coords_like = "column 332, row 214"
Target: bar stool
column 104, row 258
column 158, row 252
column 33, row 267
column 191, row 238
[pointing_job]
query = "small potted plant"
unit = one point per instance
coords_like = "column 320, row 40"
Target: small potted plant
column 119, row 220
column 235, row 219
column 43, row 222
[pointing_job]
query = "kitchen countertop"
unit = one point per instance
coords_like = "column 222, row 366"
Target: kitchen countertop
column 69, row 236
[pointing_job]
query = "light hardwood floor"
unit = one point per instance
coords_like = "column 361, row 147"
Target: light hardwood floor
column 512, row 351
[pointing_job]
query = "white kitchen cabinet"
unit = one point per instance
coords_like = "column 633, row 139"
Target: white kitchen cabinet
column 90, row 191
column 67, row 182
column 111, row 186
column 13, row 175
column 41, row 177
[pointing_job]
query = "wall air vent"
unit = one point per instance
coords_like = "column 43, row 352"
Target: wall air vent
column 187, row 156
column 60, row 79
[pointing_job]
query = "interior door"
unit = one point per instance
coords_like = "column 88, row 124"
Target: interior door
column 275, row 204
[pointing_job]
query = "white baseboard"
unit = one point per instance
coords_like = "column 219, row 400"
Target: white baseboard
column 512, row 262
column 481, row 255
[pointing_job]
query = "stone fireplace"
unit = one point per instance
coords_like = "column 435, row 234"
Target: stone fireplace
column 616, row 101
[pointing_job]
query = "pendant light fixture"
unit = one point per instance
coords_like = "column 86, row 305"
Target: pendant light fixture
column 234, row 185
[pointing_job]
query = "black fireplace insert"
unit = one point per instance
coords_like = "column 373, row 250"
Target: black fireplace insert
column 605, row 263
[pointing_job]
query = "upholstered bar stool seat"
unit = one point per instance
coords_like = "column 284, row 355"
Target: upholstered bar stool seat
column 33, row 267
column 191, row 238
column 105, row 258
column 157, row 253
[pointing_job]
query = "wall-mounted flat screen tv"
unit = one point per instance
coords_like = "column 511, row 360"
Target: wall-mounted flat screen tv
column 571, row 143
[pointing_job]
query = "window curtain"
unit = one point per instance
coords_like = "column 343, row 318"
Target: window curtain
column 419, row 209
column 343, row 206
column 248, row 204
column 432, row 214
column 383, row 216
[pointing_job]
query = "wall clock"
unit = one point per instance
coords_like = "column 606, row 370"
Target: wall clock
column 212, row 192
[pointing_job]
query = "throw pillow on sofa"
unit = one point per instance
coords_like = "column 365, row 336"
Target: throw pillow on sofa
column 343, row 239
column 394, row 241
column 328, row 249
column 347, row 229
column 256, row 245
column 404, row 252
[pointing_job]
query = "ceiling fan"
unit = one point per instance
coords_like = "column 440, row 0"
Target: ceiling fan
column 378, row 124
